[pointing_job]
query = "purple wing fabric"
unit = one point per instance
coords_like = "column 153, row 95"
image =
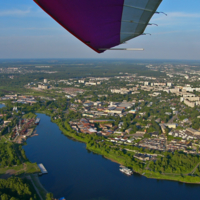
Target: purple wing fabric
column 100, row 24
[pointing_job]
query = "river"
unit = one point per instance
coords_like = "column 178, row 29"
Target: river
column 77, row 174
column 2, row 105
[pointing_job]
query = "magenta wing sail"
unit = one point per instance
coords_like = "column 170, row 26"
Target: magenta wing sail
column 101, row 24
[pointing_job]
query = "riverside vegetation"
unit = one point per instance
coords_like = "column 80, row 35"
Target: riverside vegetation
column 170, row 166
column 173, row 166
column 16, row 189
column 176, row 166
column 14, row 164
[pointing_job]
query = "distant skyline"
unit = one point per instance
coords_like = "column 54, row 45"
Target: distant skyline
column 28, row 32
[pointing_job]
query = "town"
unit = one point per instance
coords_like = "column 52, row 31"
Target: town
column 139, row 121
column 149, row 112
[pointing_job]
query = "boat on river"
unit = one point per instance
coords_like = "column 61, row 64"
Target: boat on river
column 125, row 170
column 42, row 169
column 37, row 121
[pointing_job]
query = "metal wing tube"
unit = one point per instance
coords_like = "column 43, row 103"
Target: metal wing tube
column 136, row 16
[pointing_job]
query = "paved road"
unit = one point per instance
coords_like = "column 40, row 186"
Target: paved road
column 192, row 172
column 172, row 119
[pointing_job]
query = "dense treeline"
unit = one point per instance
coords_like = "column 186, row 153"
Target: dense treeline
column 141, row 150
column 66, row 69
column 98, row 145
column 8, row 155
column 29, row 115
column 16, row 189
column 4, row 131
column 82, row 68
column 175, row 163
column 191, row 114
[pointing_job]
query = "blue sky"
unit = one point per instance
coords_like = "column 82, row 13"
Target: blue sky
column 27, row 32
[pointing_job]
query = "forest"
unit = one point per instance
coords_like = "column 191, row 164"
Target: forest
column 63, row 69
column 15, row 188
column 177, row 163
column 172, row 162
column 9, row 154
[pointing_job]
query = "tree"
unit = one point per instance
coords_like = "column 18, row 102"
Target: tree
column 4, row 197
column 197, row 149
column 49, row 196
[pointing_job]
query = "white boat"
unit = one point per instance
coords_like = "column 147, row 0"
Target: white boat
column 37, row 121
column 126, row 170
column 42, row 169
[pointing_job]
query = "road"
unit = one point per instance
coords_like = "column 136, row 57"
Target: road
column 172, row 119
column 192, row 172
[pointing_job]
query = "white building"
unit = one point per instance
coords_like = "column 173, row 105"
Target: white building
column 169, row 84
column 81, row 81
column 146, row 83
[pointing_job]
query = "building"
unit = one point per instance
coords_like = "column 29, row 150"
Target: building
column 125, row 105
column 175, row 90
column 163, row 128
column 43, row 87
column 159, row 84
column 132, row 111
column 84, row 126
column 193, row 131
column 193, row 98
column 81, row 81
column 115, row 110
column 121, row 91
column 141, row 157
column 169, row 84
column 128, row 130
column 190, row 103
column 101, row 121
column 87, row 115
column 187, row 77
column 88, row 104
column 171, row 125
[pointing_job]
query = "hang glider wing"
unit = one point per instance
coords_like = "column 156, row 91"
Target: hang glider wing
column 102, row 24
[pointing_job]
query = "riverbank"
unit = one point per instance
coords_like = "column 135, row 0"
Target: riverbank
column 71, row 165
column 121, row 160
column 22, row 167
column 39, row 187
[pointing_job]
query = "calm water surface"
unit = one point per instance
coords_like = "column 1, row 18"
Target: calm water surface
column 78, row 174
column 2, row 105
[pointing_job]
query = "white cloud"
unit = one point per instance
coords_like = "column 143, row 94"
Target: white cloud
column 15, row 12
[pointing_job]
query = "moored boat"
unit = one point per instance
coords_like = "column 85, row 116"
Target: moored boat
column 37, row 121
column 126, row 170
